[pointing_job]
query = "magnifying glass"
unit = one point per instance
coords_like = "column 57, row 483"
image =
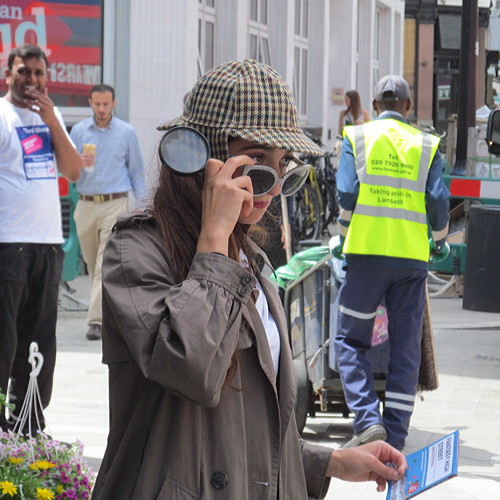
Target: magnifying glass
column 184, row 151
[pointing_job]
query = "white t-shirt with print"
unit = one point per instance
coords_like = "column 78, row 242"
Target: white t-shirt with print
column 30, row 209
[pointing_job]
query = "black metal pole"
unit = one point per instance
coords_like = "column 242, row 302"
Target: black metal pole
column 467, row 83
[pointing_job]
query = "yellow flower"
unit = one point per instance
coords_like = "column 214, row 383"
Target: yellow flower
column 44, row 494
column 16, row 460
column 42, row 465
column 8, row 488
column 59, row 489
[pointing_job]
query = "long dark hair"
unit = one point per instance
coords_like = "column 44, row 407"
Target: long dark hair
column 355, row 104
column 176, row 208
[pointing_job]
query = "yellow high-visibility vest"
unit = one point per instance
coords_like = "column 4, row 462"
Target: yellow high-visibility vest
column 392, row 163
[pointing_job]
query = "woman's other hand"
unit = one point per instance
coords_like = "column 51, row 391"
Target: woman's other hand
column 368, row 463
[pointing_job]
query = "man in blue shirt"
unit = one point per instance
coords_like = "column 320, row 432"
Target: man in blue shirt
column 390, row 187
column 113, row 166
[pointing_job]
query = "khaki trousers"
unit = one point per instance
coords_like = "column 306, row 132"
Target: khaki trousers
column 94, row 222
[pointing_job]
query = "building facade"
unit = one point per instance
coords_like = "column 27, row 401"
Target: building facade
column 432, row 58
column 153, row 51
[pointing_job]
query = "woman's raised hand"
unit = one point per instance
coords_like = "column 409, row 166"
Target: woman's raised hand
column 225, row 198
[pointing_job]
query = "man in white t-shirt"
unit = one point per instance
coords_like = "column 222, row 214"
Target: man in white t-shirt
column 34, row 146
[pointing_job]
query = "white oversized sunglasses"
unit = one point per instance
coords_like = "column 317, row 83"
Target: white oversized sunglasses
column 265, row 178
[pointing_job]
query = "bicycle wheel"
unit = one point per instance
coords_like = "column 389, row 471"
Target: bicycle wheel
column 305, row 216
column 330, row 208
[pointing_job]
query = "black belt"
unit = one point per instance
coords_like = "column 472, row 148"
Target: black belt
column 99, row 198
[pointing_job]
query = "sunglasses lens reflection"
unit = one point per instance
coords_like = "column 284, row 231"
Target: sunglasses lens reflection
column 262, row 181
column 294, row 180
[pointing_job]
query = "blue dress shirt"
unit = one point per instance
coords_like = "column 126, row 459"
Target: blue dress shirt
column 119, row 164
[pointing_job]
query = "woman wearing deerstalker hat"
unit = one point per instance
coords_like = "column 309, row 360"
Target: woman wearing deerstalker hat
column 201, row 385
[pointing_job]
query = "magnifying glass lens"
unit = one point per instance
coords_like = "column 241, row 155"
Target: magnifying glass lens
column 184, row 150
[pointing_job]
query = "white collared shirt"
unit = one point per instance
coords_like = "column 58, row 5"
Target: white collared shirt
column 272, row 333
column 273, row 336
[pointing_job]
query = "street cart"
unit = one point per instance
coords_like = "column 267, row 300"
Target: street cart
column 311, row 281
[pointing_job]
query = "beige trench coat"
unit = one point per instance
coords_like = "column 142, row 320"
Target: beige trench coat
column 175, row 432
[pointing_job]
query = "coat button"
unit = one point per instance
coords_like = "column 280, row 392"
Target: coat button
column 243, row 290
column 246, row 280
column 219, row 480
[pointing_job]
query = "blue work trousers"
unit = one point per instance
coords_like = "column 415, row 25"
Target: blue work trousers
column 29, row 284
column 362, row 291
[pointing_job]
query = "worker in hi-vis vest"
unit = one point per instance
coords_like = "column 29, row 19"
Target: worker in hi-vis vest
column 390, row 190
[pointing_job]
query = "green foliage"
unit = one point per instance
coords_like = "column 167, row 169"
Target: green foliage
column 3, row 402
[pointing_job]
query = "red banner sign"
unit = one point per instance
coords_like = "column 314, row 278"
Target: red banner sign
column 70, row 33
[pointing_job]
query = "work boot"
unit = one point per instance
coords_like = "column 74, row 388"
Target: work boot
column 372, row 433
column 94, row 332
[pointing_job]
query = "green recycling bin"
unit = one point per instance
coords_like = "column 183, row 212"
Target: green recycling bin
column 71, row 246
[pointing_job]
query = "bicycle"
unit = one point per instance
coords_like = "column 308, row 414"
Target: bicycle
column 326, row 186
column 315, row 208
column 442, row 134
column 304, row 212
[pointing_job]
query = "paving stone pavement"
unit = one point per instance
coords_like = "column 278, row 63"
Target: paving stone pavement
column 468, row 399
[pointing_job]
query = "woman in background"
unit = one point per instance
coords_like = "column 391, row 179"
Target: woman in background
column 354, row 114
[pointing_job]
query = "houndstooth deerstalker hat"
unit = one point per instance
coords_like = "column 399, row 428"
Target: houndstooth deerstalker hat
column 246, row 99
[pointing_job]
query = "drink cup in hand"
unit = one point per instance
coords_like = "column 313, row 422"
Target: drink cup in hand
column 88, row 156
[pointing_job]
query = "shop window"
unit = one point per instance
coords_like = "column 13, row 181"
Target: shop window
column 69, row 32
column 449, row 29
column 446, row 81
column 301, row 50
column 206, row 36
column 300, row 79
column 355, row 55
column 377, row 44
column 301, row 18
column 259, row 48
column 258, row 32
column 258, row 11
